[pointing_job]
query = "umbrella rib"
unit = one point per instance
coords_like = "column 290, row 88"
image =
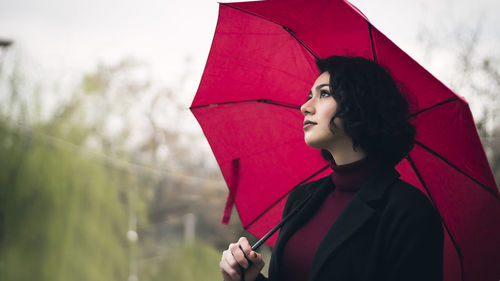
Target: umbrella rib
column 255, row 100
column 300, row 41
column 433, row 106
column 298, row 107
column 456, row 168
column 283, row 196
column 370, row 26
column 284, row 27
column 371, row 39
column 459, row 253
column 241, row 10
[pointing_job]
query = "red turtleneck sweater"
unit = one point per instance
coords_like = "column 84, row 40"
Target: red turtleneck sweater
column 297, row 254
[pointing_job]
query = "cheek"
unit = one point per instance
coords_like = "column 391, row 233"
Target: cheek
column 328, row 113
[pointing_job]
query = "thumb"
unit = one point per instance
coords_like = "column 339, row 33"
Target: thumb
column 254, row 256
column 257, row 264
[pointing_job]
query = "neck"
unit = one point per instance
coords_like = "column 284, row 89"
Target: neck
column 347, row 154
column 350, row 177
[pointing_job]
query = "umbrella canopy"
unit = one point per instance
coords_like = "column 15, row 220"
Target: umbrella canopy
column 258, row 73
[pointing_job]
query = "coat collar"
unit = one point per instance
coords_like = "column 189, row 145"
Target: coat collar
column 359, row 210
column 353, row 217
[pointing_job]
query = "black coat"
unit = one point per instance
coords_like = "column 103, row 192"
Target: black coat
column 389, row 231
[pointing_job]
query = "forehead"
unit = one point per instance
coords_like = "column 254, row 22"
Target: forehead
column 324, row 78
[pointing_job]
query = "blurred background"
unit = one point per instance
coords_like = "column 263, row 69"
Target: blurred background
column 104, row 172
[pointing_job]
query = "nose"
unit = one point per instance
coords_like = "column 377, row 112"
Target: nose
column 307, row 108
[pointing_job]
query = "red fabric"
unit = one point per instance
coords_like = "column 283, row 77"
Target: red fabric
column 297, row 255
column 350, row 177
column 253, row 58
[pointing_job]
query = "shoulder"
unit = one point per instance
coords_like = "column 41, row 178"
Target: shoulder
column 407, row 196
column 309, row 187
column 302, row 191
column 410, row 204
column 411, row 226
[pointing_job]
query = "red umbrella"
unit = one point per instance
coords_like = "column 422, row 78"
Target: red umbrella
column 259, row 70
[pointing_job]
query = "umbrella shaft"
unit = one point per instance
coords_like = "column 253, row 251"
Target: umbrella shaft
column 280, row 224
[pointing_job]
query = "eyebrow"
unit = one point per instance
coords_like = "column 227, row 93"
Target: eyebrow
column 319, row 87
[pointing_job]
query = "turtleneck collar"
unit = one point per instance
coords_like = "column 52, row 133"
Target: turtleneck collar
column 351, row 177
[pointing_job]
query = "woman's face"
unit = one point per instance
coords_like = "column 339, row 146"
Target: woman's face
column 318, row 111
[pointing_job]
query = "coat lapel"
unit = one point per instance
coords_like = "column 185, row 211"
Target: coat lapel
column 299, row 219
column 353, row 217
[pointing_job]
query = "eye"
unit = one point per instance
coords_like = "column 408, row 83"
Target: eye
column 309, row 97
column 324, row 93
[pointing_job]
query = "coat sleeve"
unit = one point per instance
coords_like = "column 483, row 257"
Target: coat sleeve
column 261, row 277
column 415, row 250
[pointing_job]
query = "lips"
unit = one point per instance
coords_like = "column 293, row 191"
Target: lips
column 308, row 123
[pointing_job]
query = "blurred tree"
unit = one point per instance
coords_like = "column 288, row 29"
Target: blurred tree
column 195, row 262
column 174, row 175
column 473, row 72
column 63, row 214
column 103, row 163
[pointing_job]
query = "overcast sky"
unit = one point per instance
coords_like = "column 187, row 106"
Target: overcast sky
column 74, row 35
column 65, row 38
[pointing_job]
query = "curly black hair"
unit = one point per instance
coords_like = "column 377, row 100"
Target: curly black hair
column 374, row 111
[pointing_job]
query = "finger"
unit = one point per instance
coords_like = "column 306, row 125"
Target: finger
column 257, row 265
column 245, row 245
column 231, row 245
column 238, row 255
column 255, row 258
column 247, row 259
column 230, row 275
column 231, row 262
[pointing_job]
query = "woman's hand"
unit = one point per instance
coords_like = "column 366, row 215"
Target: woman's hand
column 233, row 262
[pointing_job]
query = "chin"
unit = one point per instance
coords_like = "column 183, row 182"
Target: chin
column 315, row 143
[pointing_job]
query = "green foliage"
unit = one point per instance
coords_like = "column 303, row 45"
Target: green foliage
column 197, row 262
column 65, row 209
column 62, row 214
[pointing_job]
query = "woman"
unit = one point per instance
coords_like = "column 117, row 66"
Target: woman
column 361, row 222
